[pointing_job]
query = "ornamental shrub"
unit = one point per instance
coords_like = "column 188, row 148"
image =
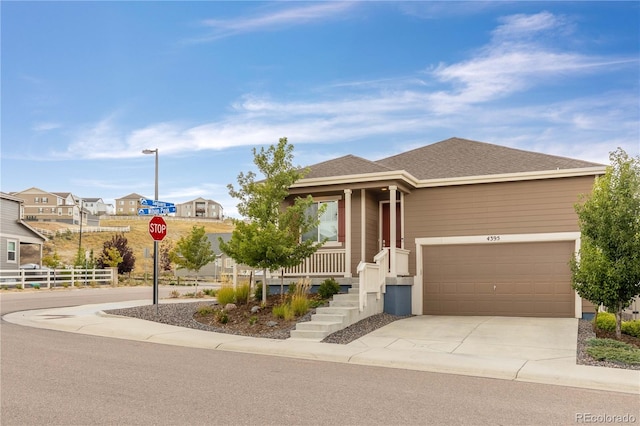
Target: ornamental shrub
column 226, row 295
column 632, row 328
column 328, row 288
column 242, row 294
column 605, row 321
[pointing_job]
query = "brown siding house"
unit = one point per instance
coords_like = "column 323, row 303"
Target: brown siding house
column 470, row 228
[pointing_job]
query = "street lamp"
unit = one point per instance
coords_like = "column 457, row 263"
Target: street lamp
column 155, row 242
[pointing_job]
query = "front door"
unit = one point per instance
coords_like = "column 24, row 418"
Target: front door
column 386, row 226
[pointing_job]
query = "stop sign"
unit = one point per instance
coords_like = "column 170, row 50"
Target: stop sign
column 157, row 228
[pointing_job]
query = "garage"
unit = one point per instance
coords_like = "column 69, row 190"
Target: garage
column 529, row 279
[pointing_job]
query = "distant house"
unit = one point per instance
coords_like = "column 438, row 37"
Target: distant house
column 43, row 206
column 14, row 233
column 129, row 204
column 222, row 266
column 96, row 206
column 200, row 208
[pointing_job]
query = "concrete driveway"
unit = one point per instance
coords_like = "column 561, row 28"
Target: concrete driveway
column 524, row 339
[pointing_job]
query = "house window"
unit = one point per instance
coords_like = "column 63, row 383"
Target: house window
column 328, row 226
column 11, row 251
column 132, row 203
column 228, row 262
column 40, row 210
column 59, row 211
column 121, row 202
column 45, row 199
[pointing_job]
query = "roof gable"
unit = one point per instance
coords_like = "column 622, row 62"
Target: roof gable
column 132, row 195
column 347, row 165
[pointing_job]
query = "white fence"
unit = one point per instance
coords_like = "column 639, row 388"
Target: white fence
column 39, row 278
column 372, row 278
column 85, row 229
column 329, row 263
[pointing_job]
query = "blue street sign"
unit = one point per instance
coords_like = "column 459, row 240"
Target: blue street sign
column 156, row 210
column 155, row 203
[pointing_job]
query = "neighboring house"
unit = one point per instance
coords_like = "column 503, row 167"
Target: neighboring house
column 129, row 204
column 46, row 206
column 469, row 228
column 200, row 208
column 222, row 266
column 96, row 206
column 14, row 233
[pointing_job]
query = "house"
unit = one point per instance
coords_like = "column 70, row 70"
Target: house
column 457, row 227
column 96, row 206
column 43, row 206
column 200, row 208
column 14, row 233
column 128, row 205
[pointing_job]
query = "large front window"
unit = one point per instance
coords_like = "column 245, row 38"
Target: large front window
column 327, row 229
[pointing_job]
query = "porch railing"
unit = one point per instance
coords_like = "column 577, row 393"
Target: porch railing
column 372, row 278
column 331, row 263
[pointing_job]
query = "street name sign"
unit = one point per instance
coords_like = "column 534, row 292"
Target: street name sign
column 146, row 211
column 155, row 203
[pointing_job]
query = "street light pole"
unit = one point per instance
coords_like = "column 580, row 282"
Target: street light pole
column 155, row 242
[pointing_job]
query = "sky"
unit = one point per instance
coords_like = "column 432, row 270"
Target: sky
column 86, row 86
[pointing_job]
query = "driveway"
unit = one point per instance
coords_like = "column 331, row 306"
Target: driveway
column 524, row 339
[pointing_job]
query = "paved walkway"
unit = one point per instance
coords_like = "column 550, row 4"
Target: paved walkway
column 540, row 350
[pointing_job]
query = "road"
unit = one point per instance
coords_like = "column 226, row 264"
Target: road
column 50, row 377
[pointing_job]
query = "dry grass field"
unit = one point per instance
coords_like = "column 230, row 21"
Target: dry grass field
column 66, row 243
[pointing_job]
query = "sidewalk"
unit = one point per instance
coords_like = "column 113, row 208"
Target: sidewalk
column 456, row 345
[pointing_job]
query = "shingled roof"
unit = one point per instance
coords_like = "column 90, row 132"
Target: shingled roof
column 347, row 165
column 451, row 158
column 457, row 157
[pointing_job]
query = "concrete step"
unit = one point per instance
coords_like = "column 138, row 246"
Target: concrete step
column 308, row 335
column 326, row 326
column 350, row 312
column 337, row 317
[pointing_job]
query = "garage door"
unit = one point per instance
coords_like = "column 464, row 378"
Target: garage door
column 512, row 279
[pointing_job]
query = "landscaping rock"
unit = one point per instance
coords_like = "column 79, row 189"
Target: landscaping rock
column 230, row 307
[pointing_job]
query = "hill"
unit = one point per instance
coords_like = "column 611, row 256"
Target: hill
column 67, row 238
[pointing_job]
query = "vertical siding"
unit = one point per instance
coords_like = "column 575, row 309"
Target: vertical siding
column 539, row 206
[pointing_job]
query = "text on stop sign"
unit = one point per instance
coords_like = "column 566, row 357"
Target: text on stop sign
column 158, row 228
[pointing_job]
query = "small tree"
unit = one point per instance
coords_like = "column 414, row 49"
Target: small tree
column 52, row 260
column 608, row 272
column 271, row 237
column 112, row 257
column 194, row 251
column 120, row 243
column 165, row 255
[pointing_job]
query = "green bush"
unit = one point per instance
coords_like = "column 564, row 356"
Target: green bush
column 292, row 289
column 210, row 292
column 328, row 288
column 613, row 350
column 222, row 317
column 299, row 305
column 226, row 295
column 205, row 310
column 632, row 328
column 174, row 294
column 242, row 294
column 606, row 321
column 258, row 293
column 283, row 311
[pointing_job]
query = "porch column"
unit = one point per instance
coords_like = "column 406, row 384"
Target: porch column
column 347, row 233
column 402, row 220
column 392, row 231
column 363, row 225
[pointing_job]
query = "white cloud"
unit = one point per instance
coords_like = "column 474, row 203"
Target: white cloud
column 46, row 126
column 460, row 97
column 299, row 15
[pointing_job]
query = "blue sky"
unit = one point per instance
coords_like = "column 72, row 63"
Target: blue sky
column 86, row 86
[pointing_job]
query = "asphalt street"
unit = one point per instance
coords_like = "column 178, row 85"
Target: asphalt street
column 51, row 377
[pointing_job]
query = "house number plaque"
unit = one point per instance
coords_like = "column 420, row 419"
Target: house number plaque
column 493, row 238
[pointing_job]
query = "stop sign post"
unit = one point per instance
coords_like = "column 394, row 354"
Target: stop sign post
column 157, row 230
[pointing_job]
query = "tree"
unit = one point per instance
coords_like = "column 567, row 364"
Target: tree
column 120, row 243
column 112, row 257
column 52, row 260
column 166, row 247
column 194, row 251
column 608, row 272
column 271, row 237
